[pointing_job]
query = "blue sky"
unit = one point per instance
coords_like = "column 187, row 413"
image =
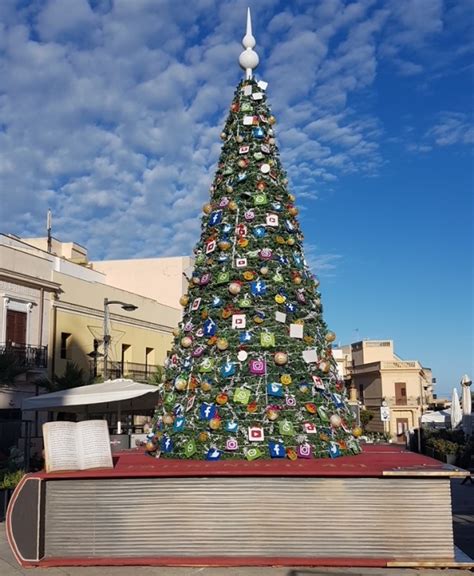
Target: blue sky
column 110, row 114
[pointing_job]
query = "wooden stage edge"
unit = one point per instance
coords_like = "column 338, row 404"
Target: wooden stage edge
column 47, row 527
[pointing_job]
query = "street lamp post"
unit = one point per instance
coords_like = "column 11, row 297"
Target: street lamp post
column 125, row 306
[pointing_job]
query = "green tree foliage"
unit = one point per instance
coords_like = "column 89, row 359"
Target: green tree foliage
column 251, row 373
column 10, row 368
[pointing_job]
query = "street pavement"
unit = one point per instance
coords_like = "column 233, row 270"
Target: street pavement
column 463, row 517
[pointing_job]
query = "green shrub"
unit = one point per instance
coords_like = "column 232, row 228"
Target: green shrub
column 8, row 480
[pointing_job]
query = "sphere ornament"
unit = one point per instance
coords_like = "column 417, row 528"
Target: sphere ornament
column 222, row 343
column 184, row 300
column 180, row 384
column 186, row 342
column 281, row 358
column 330, row 336
column 248, row 59
column 335, row 420
column 207, row 208
column 357, row 431
column 272, row 414
column 324, row 366
column 234, row 288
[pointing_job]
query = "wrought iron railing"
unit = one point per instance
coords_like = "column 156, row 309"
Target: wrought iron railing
column 26, row 356
column 134, row 370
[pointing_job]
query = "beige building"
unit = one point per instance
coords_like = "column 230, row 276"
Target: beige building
column 376, row 376
column 52, row 308
column 162, row 279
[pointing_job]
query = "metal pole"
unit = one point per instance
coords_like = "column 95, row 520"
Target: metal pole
column 421, row 415
column 106, row 336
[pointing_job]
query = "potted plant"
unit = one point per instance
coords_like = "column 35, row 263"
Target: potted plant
column 8, row 482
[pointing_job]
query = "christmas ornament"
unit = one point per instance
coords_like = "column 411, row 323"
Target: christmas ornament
column 335, row 420
column 214, row 423
column 280, row 358
column 234, row 288
column 276, row 449
column 186, row 342
column 330, row 336
column 222, row 343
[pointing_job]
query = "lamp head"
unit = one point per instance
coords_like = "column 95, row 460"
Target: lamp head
column 129, row 307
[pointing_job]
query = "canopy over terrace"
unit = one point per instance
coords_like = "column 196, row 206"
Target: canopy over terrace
column 109, row 396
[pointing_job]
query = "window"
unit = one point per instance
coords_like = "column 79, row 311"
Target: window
column 16, row 328
column 64, row 346
column 361, row 392
column 400, row 393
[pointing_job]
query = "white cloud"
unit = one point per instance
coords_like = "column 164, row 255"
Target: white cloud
column 452, row 128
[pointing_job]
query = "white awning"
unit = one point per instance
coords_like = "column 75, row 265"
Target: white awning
column 105, row 393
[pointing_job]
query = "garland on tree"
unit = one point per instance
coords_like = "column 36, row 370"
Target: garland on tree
column 251, row 372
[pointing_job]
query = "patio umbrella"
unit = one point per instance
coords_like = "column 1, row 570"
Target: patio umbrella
column 466, row 405
column 456, row 412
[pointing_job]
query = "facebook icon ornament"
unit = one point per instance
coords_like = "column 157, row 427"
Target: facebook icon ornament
column 210, row 327
column 215, row 218
column 207, row 411
column 258, row 288
column 276, row 449
column 166, row 444
column 213, row 454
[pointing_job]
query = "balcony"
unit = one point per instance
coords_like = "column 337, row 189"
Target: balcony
column 24, row 356
column 132, row 370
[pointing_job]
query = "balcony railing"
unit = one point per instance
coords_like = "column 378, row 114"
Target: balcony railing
column 25, row 356
column 132, row 370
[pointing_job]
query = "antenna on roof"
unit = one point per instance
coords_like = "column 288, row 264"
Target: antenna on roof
column 49, row 221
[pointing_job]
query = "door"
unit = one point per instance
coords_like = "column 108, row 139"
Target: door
column 16, row 328
column 402, row 428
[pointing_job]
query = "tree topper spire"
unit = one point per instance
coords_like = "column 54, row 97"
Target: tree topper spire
column 248, row 59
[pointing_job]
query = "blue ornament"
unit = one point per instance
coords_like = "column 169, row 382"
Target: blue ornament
column 215, row 218
column 275, row 389
column 216, row 302
column 289, row 226
column 245, row 337
column 337, row 400
column 178, row 424
column 226, row 228
column 231, row 426
column 277, row 206
column 258, row 132
column 298, row 260
column 333, row 450
column 258, row 288
column 259, row 232
column 213, row 454
column 228, row 370
column 283, row 260
column 276, row 449
column 210, row 327
column 166, row 444
column 223, row 258
column 207, row 411
column 290, row 307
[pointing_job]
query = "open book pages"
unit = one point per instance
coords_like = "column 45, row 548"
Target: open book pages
column 77, row 446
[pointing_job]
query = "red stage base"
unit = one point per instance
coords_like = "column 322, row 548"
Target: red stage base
column 383, row 507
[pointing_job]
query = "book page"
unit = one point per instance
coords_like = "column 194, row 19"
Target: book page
column 60, row 447
column 93, row 442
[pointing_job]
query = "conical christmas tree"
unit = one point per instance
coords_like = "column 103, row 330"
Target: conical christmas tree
column 251, row 373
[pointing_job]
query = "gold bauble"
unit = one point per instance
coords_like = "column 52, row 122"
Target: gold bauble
column 222, row 343
column 271, row 120
column 175, row 331
column 196, row 280
column 224, row 245
column 223, row 135
column 357, row 431
column 205, row 386
column 207, row 208
column 264, row 270
column 293, row 210
column 233, row 206
column 330, row 336
column 180, row 384
column 272, row 414
column 186, row 341
column 291, row 241
column 324, row 366
column 203, row 436
column 168, row 419
column 239, row 138
column 291, row 197
column 215, row 423
column 280, row 358
column 242, row 163
column 229, row 189
column 184, row 300
column 150, row 447
column 222, row 398
column 297, row 280
column 286, row 379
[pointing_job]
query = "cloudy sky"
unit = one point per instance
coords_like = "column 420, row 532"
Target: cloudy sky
column 110, row 114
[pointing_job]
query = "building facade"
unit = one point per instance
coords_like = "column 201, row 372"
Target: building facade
column 375, row 376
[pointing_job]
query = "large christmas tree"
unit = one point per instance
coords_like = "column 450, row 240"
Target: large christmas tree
column 251, row 373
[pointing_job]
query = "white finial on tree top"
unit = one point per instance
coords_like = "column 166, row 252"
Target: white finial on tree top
column 248, row 59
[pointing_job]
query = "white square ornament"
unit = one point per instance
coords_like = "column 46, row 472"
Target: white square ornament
column 248, row 120
column 238, row 321
column 280, row 316
column 240, row 262
column 272, row 220
column 256, row 434
column 247, row 90
column 262, row 84
column 257, row 96
column 296, row 330
column 310, row 355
